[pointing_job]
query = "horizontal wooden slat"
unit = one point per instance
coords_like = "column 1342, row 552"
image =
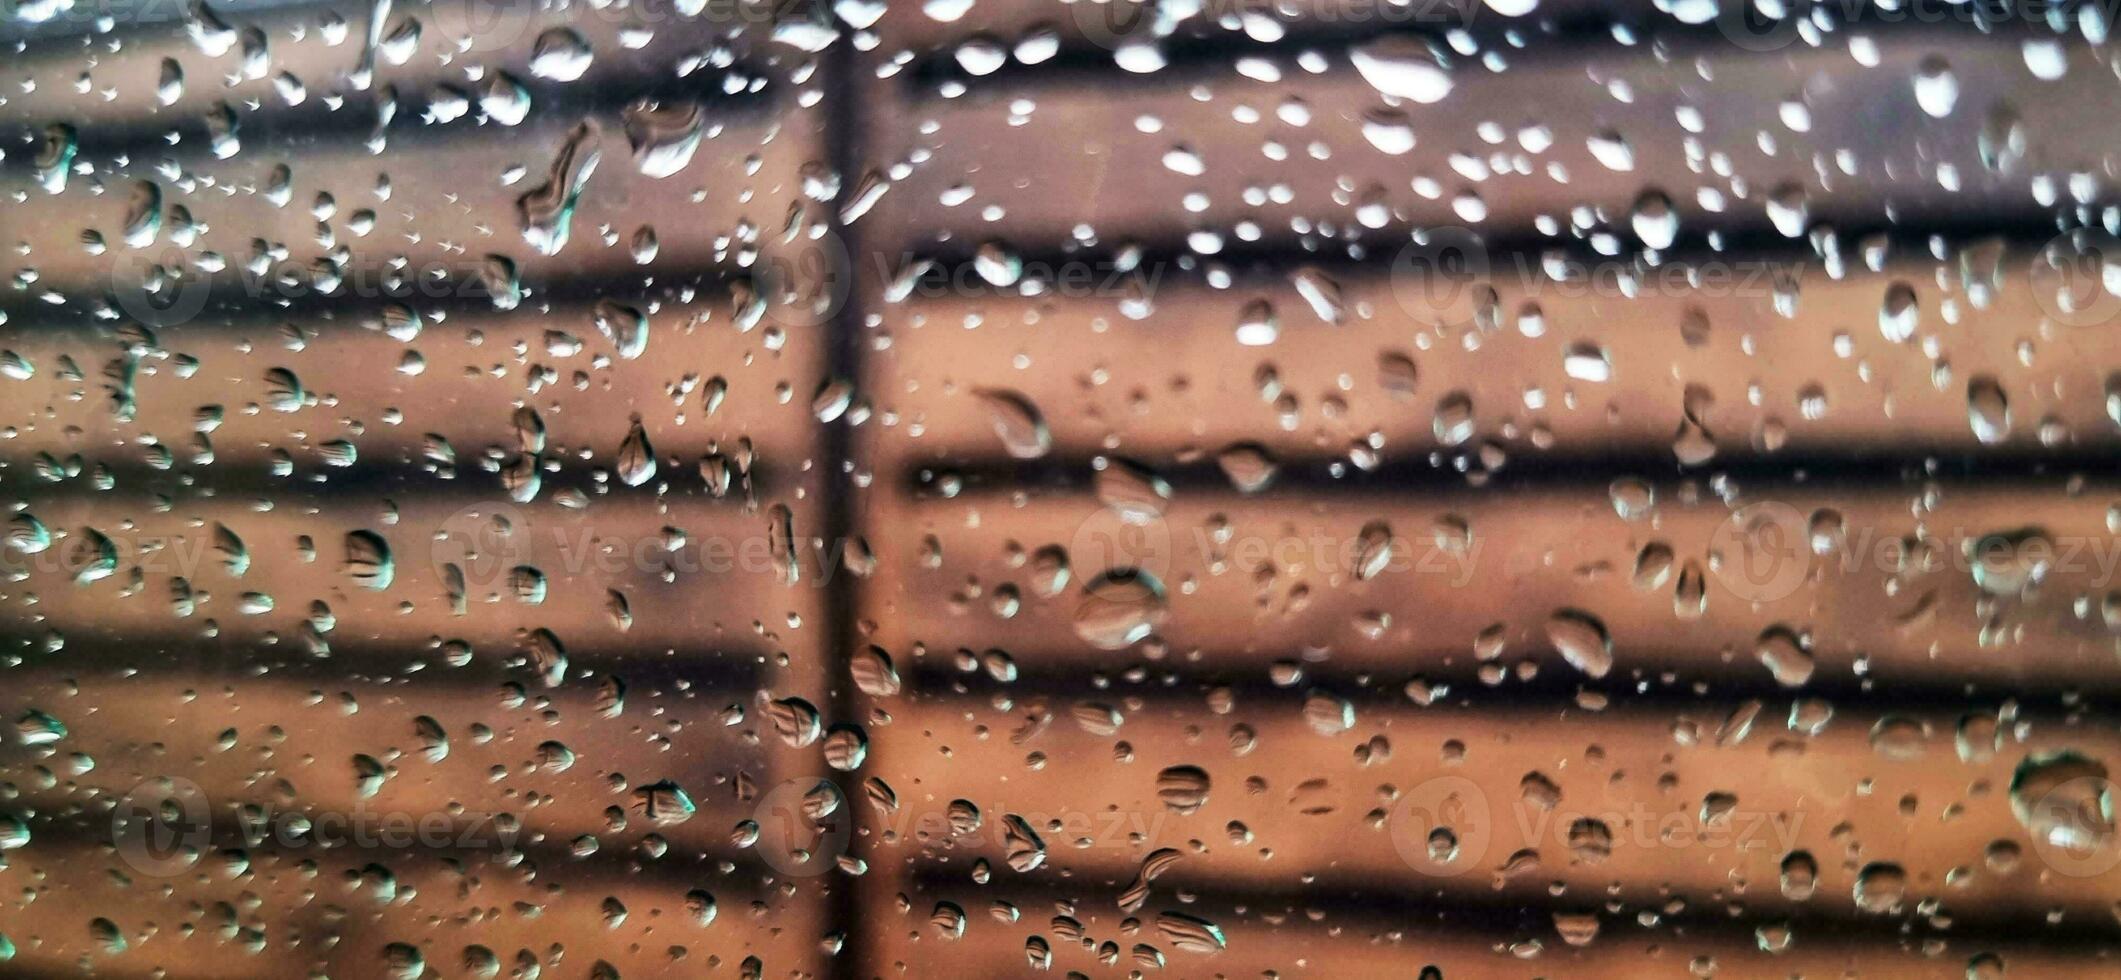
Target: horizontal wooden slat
column 474, row 369
column 1867, row 152
column 1283, row 586
column 657, row 554
column 288, row 747
column 329, row 919
column 124, row 64
column 1745, row 345
column 427, row 229
column 1291, row 937
column 877, row 421
column 1345, row 815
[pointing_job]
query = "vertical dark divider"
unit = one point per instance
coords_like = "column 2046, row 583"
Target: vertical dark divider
column 843, row 142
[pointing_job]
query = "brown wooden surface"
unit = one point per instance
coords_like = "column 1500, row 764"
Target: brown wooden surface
column 1325, row 876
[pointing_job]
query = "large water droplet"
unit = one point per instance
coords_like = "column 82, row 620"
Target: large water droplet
column 2065, row 801
column 1581, row 640
column 1017, row 422
column 1403, row 68
column 1119, row 608
column 560, row 54
column 548, row 212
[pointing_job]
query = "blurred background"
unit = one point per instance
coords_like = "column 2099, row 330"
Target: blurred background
column 1258, row 488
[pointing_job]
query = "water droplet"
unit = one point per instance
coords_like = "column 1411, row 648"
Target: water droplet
column 1190, row 933
column 1799, row 876
column 1988, row 409
column 1784, row 656
column 2007, row 563
column 664, row 137
column 55, row 156
column 1183, row 789
column 1612, row 151
column 2065, row 801
column 1581, row 640
column 1133, row 492
column 795, row 720
column 1321, row 292
column 1017, row 422
column 1402, row 68
column 1022, row 847
column 143, row 215
column 27, row 534
column 561, row 55
column 1898, row 315
column 547, row 212
column 1248, row 466
column 1936, row 88
column 1655, row 221
column 1587, row 362
column 1257, row 326
column 368, row 560
column 1880, row 887
column 1632, row 498
column 873, row 673
column 1373, row 550
column 636, row 460
column 1119, row 608
column 1152, row 866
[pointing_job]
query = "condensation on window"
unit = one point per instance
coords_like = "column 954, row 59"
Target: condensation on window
column 1101, row 488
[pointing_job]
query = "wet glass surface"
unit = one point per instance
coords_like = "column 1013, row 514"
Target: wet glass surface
column 1533, row 488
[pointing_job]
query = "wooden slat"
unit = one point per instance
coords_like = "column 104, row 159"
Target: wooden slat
column 913, row 466
column 1346, row 816
column 1095, row 169
column 326, row 918
column 287, row 747
column 474, row 366
column 1284, row 584
column 1177, row 382
column 427, row 229
column 656, row 553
